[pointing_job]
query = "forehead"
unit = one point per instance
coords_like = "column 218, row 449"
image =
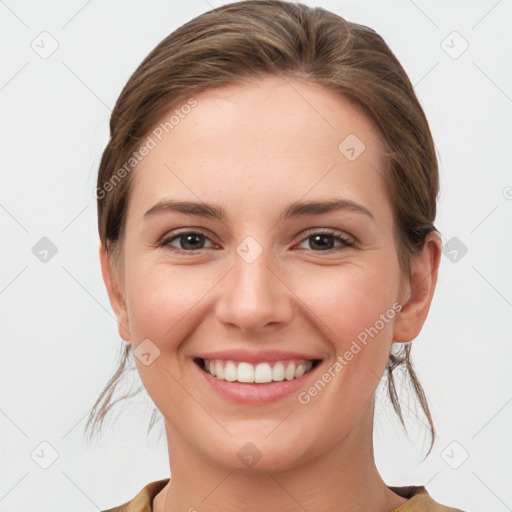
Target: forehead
column 272, row 139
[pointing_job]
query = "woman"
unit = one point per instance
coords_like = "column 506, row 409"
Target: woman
column 266, row 207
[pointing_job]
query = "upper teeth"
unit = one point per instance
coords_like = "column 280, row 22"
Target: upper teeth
column 260, row 373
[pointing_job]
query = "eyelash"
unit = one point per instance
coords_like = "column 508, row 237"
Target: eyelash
column 346, row 243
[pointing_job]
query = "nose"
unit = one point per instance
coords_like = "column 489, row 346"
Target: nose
column 253, row 297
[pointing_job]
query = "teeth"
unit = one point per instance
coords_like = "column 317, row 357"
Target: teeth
column 260, row 373
column 230, row 372
column 219, row 370
column 278, row 372
column 245, row 372
column 299, row 372
column 289, row 373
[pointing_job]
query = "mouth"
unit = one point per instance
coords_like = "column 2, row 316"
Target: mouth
column 262, row 373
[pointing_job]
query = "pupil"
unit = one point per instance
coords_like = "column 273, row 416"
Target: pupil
column 190, row 238
column 323, row 246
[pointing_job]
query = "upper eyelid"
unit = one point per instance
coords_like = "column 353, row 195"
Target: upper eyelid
column 326, row 231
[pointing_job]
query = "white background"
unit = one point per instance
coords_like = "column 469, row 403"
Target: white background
column 59, row 339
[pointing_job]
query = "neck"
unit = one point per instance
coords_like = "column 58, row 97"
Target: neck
column 344, row 478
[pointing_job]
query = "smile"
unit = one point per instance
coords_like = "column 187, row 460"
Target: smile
column 261, row 373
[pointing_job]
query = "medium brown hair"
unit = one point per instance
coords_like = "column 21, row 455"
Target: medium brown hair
column 250, row 40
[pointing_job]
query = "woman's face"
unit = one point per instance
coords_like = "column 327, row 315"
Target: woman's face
column 261, row 272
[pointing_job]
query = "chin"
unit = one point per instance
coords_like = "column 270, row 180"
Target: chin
column 261, row 455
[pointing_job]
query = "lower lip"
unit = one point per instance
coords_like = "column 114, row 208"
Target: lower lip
column 255, row 393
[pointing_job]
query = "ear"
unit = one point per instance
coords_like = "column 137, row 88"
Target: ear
column 116, row 296
column 419, row 289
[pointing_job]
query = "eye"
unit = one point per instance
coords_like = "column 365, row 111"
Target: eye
column 325, row 241
column 318, row 241
column 189, row 241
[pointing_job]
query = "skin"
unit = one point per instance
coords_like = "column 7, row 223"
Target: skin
column 253, row 150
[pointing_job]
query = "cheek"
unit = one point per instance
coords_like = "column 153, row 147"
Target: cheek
column 355, row 304
column 163, row 302
column 157, row 299
column 351, row 298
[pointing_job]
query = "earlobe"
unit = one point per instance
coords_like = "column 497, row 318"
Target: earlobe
column 422, row 283
column 115, row 295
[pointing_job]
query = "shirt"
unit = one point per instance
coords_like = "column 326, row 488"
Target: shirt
column 419, row 500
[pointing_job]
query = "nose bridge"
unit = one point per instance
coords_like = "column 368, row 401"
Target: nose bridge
column 252, row 297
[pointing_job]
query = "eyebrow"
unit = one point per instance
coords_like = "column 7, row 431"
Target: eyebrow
column 296, row 209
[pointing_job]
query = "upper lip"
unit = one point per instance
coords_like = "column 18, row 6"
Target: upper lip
column 252, row 357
